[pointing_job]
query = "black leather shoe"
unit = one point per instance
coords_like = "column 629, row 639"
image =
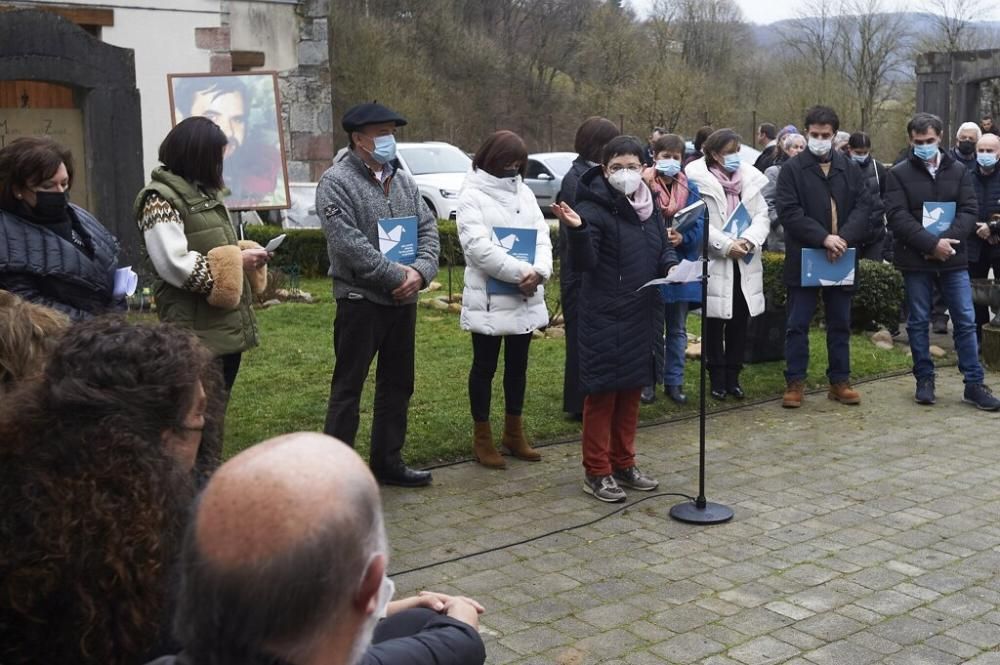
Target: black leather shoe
column 719, row 394
column 736, row 391
column 648, row 395
column 404, row 476
column 676, row 394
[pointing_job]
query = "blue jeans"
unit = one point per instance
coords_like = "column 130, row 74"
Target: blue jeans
column 675, row 343
column 801, row 307
column 957, row 294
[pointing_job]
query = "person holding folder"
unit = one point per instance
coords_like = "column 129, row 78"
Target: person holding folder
column 508, row 256
column 383, row 246
column 932, row 208
column 738, row 227
column 825, row 206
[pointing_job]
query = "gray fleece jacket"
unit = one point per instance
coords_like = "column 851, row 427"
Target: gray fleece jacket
column 349, row 202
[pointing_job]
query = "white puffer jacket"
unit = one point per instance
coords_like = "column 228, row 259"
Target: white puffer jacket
column 486, row 202
column 720, row 267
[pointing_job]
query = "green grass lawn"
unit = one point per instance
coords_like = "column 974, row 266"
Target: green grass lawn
column 283, row 385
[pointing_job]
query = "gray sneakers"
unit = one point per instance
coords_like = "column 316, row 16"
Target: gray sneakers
column 634, row 478
column 604, row 488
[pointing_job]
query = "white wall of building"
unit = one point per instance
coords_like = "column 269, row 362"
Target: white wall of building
column 161, row 33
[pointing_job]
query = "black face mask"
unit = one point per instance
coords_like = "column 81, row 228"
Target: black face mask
column 966, row 147
column 51, row 206
column 508, row 173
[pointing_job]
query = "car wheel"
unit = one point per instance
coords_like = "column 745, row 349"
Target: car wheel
column 430, row 206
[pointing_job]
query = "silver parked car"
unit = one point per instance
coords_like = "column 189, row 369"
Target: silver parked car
column 544, row 175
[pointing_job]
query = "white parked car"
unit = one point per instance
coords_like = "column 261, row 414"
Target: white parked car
column 302, row 213
column 545, row 174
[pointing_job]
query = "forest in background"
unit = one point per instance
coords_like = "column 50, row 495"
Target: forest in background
column 461, row 69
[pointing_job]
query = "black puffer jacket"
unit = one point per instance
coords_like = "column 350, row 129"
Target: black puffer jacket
column 567, row 195
column 909, row 185
column 988, row 195
column 616, row 253
column 46, row 269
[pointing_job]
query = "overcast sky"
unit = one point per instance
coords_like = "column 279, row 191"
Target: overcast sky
column 769, row 11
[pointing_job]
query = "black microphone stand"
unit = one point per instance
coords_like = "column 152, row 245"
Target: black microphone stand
column 702, row 511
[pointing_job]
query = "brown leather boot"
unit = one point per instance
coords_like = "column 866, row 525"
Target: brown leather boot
column 483, row 449
column 844, row 393
column 515, row 441
column 792, row 398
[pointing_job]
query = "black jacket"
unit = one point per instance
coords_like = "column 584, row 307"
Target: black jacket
column 616, row 253
column 802, row 200
column 968, row 162
column 988, row 196
column 909, row 186
column 765, row 158
column 438, row 640
column 46, row 269
column 567, row 195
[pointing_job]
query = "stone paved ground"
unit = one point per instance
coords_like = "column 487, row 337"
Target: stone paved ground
column 862, row 535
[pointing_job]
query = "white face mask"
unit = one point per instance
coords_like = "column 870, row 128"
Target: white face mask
column 820, row 147
column 625, row 181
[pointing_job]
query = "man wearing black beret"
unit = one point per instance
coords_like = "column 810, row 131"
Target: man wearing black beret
column 372, row 212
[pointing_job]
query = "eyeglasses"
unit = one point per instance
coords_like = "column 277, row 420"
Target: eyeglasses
column 635, row 168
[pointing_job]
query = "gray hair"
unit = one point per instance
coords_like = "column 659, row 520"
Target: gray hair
column 230, row 615
column 970, row 126
column 786, row 142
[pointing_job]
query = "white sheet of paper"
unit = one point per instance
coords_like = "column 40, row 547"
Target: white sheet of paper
column 275, row 243
column 687, row 271
column 126, row 282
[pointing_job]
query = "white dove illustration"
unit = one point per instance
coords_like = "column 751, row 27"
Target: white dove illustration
column 387, row 240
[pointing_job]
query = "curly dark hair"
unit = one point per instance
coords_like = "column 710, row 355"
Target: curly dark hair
column 92, row 504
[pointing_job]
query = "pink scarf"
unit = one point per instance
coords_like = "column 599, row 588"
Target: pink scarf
column 732, row 185
column 671, row 200
column 642, row 202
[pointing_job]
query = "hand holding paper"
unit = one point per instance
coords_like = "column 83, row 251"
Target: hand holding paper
column 275, row 243
column 684, row 272
column 125, row 282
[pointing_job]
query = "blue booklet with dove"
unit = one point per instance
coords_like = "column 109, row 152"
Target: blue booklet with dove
column 938, row 216
column 519, row 243
column 818, row 270
column 736, row 226
column 397, row 239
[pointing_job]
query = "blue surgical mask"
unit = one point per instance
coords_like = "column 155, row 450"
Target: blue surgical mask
column 731, row 162
column 926, row 152
column 668, row 167
column 987, row 159
column 862, row 160
column 385, row 149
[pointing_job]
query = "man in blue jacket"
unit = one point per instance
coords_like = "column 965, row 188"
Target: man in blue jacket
column 824, row 203
column 929, row 251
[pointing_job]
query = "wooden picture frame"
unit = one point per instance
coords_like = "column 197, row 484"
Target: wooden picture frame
column 247, row 108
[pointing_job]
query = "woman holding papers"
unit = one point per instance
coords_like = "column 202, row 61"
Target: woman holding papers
column 204, row 277
column 673, row 193
column 508, row 256
column 52, row 252
column 617, row 244
column 738, row 227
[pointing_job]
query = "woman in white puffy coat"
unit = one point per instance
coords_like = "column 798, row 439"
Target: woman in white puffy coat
column 503, row 300
column 735, row 286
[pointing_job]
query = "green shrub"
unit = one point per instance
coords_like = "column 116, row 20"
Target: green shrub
column 877, row 298
column 305, row 248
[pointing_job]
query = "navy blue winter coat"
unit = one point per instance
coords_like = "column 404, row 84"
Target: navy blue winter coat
column 615, row 253
column 988, row 193
column 44, row 268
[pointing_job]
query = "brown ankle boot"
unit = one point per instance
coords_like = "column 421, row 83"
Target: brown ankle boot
column 515, row 441
column 792, row 398
column 483, row 449
column 844, row 393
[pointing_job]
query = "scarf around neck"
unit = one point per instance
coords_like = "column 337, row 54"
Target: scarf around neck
column 642, row 202
column 673, row 199
column 732, row 185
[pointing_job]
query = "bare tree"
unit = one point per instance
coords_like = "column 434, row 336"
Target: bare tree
column 811, row 35
column 873, row 50
column 954, row 22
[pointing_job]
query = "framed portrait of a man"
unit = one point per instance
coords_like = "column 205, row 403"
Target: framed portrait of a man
column 245, row 106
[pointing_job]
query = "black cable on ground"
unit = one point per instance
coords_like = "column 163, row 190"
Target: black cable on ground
column 540, row 536
column 654, row 423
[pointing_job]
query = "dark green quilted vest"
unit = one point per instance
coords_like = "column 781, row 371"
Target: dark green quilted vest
column 207, row 226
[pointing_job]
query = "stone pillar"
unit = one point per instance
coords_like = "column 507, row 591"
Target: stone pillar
column 306, row 96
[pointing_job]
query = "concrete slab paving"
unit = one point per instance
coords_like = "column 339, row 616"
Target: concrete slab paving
column 866, row 534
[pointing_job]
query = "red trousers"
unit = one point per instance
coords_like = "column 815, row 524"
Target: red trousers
column 609, row 422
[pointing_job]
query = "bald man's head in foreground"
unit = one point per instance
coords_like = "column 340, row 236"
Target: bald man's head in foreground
column 285, row 556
